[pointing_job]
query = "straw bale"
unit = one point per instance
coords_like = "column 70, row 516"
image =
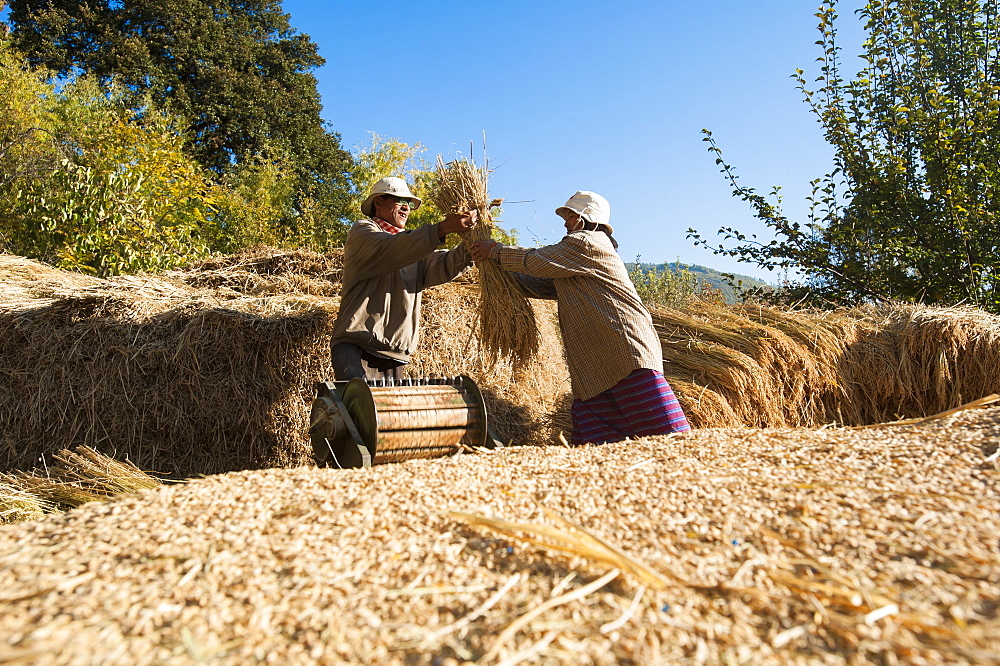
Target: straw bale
column 729, row 371
column 703, row 407
column 924, row 360
column 768, row 546
column 850, row 366
column 824, row 337
column 768, row 377
column 213, row 368
column 197, row 388
column 263, row 270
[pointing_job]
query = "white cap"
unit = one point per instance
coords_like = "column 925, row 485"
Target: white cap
column 591, row 206
column 397, row 187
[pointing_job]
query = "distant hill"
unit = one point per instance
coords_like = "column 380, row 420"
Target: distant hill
column 707, row 276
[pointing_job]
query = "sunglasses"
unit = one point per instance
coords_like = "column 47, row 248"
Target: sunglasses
column 400, row 201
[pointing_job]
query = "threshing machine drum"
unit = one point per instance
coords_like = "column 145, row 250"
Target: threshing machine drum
column 362, row 423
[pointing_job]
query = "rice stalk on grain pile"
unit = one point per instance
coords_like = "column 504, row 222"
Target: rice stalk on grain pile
column 82, row 476
column 567, row 538
column 18, row 505
column 505, row 320
column 60, row 494
column 102, row 473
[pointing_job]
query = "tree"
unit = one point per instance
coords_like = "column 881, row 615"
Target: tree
column 235, row 69
column 26, row 127
column 670, row 287
column 910, row 210
column 382, row 158
column 120, row 197
column 87, row 186
column 258, row 193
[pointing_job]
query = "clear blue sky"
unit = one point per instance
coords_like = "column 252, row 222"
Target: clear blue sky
column 585, row 95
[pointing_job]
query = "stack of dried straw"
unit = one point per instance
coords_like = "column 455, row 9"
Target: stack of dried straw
column 505, row 320
column 213, row 368
column 20, row 505
column 756, row 366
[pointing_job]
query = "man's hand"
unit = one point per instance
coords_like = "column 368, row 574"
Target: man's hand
column 481, row 250
column 458, row 222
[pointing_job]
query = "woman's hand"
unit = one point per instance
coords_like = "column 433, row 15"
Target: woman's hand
column 458, row 223
column 481, row 250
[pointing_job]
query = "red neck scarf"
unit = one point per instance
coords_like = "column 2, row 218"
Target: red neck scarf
column 385, row 226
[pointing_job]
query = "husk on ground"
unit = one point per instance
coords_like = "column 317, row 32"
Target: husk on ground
column 505, row 322
column 745, row 546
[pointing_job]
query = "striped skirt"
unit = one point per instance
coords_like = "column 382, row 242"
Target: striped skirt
column 641, row 404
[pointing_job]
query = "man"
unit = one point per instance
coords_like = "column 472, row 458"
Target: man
column 612, row 350
column 385, row 271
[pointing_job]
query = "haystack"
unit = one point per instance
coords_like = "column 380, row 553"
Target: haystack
column 763, row 367
column 206, row 370
column 918, row 360
column 213, row 368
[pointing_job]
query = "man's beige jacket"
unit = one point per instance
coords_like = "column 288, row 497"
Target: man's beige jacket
column 384, row 275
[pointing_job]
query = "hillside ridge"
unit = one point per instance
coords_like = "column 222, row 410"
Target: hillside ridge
column 706, row 276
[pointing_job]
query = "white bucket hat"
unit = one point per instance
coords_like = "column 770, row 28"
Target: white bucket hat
column 397, row 187
column 591, row 206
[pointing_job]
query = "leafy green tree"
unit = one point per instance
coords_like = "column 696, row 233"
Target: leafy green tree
column 258, row 193
column 663, row 288
column 382, row 158
column 92, row 188
column 385, row 157
column 910, row 209
column 27, row 147
column 235, row 69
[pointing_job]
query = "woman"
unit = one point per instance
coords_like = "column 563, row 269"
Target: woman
column 612, row 350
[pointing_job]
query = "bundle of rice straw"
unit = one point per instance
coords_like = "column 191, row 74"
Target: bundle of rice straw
column 505, row 320
column 18, row 505
column 80, row 476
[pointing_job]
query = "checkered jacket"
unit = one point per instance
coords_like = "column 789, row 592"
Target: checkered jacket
column 606, row 329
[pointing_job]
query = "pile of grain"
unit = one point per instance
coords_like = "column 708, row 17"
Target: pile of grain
column 762, row 546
